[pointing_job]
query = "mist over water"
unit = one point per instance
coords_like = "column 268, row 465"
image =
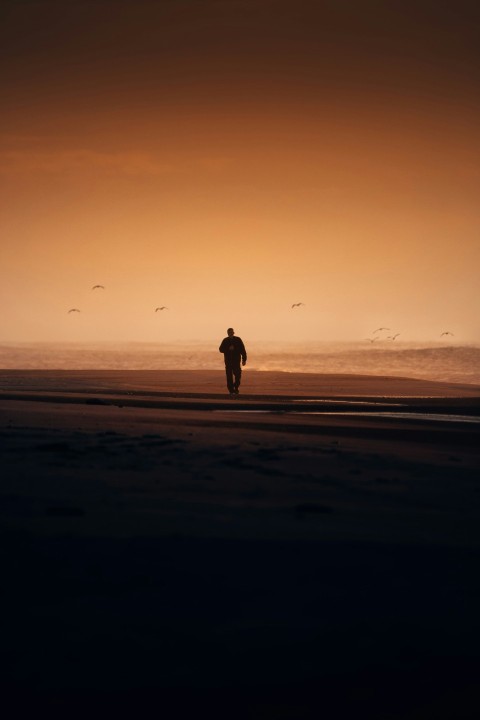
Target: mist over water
column 450, row 363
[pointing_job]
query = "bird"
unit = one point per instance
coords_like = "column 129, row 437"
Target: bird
column 98, row 286
column 447, row 332
column 372, row 340
column 297, row 305
column 380, row 329
column 73, row 310
column 164, row 307
column 392, row 337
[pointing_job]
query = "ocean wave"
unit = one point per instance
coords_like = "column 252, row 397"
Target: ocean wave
column 459, row 363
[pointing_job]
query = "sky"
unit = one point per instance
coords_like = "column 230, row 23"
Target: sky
column 228, row 158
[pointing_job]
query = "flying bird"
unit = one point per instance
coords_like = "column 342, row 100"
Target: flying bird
column 164, row 307
column 380, row 329
column 372, row 340
column 98, row 286
column 73, row 310
column 447, row 332
column 392, row 337
column 297, row 305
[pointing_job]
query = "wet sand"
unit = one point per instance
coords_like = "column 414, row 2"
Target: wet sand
column 266, row 556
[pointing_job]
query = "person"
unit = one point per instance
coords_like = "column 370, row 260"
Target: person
column 233, row 351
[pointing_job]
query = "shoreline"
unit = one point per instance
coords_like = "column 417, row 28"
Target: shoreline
column 260, row 383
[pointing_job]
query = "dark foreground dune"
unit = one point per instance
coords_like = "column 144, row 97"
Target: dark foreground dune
column 167, row 547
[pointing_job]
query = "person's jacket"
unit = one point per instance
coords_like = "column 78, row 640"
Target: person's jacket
column 233, row 349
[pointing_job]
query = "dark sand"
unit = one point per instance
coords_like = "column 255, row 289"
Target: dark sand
column 165, row 545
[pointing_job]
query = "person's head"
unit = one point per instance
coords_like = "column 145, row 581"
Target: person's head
column 230, row 332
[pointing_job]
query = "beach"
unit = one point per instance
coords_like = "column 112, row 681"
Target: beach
column 309, row 548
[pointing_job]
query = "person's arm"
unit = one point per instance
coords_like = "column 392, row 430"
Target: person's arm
column 222, row 347
column 244, row 353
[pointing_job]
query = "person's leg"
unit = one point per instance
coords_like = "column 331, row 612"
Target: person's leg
column 229, row 374
column 237, row 371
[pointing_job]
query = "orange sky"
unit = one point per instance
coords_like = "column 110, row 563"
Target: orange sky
column 227, row 159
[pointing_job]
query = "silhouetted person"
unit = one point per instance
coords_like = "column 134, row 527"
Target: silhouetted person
column 233, row 351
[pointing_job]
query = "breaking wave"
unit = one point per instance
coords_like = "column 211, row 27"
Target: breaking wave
column 455, row 363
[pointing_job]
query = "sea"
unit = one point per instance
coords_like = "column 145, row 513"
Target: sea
column 434, row 361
